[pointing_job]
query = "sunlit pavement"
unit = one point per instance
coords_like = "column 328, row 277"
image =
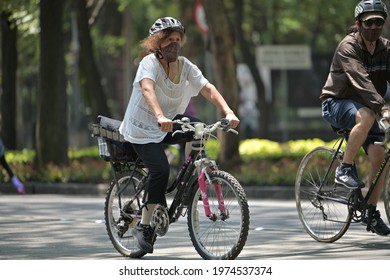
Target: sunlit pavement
column 72, row 227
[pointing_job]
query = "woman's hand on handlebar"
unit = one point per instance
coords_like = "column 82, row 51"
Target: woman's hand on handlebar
column 232, row 118
column 165, row 124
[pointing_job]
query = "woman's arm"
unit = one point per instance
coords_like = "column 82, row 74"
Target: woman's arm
column 210, row 92
column 147, row 86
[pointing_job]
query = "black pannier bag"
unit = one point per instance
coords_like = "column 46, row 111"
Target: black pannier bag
column 112, row 145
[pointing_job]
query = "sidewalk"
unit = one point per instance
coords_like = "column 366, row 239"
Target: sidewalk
column 264, row 192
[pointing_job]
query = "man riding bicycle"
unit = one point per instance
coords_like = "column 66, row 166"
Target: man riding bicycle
column 353, row 96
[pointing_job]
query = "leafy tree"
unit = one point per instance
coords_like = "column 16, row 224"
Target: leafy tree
column 95, row 95
column 321, row 25
column 222, row 44
column 13, row 17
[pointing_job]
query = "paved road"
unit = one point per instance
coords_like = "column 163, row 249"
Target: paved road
column 61, row 227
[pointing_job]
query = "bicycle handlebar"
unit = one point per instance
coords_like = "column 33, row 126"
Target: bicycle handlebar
column 384, row 125
column 200, row 129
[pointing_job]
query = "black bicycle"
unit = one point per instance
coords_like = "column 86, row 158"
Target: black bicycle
column 213, row 200
column 327, row 209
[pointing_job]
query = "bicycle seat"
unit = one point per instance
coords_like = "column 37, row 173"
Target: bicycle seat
column 341, row 131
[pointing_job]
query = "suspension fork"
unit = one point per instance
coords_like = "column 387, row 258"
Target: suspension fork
column 204, row 181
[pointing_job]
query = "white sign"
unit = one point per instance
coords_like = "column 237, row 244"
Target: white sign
column 200, row 17
column 284, row 57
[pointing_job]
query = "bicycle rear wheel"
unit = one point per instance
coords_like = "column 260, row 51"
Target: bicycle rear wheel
column 221, row 237
column 122, row 211
column 322, row 205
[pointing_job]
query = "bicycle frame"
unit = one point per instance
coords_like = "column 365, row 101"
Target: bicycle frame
column 358, row 193
column 333, row 159
column 183, row 182
column 378, row 175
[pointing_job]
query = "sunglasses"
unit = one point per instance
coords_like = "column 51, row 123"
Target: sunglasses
column 377, row 21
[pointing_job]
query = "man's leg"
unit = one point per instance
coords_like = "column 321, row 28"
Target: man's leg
column 364, row 119
column 375, row 156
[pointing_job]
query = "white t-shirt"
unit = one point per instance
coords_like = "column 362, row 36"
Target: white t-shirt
column 139, row 125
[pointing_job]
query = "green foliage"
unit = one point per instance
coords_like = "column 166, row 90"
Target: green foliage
column 86, row 171
column 265, row 162
column 23, row 156
column 255, row 149
column 89, row 152
column 212, row 148
column 298, row 148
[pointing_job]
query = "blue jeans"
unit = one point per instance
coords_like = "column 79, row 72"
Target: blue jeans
column 341, row 113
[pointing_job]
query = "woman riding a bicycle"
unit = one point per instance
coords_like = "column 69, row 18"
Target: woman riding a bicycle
column 163, row 86
column 354, row 94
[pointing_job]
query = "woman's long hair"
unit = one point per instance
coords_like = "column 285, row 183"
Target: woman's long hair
column 151, row 44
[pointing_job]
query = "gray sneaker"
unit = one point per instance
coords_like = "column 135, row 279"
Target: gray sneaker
column 144, row 235
column 347, row 177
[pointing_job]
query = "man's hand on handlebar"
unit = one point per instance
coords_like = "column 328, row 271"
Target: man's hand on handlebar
column 386, row 115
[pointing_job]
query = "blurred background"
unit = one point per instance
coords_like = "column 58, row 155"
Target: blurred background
column 64, row 62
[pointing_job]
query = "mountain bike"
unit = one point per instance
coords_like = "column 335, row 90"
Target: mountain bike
column 325, row 208
column 213, row 200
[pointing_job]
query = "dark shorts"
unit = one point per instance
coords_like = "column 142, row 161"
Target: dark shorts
column 341, row 113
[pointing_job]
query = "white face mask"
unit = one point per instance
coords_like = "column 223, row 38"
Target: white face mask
column 171, row 52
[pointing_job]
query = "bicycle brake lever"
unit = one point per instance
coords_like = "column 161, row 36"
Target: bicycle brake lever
column 225, row 124
column 232, row 130
column 177, row 131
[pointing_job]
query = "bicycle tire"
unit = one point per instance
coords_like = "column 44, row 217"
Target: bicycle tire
column 324, row 213
column 120, row 222
column 386, row 196
column 219, row 239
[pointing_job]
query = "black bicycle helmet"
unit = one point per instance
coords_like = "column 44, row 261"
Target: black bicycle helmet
column 166, row 23
column 366, row 6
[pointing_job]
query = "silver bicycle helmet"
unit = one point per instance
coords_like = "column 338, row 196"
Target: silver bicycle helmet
column 366, row 6
column 166, row 23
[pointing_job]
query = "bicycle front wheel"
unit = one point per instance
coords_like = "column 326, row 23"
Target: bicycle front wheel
column 222, row 235
column 122, row 211
column 322, row 205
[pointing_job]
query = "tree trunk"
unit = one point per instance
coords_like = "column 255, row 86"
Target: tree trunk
column 8, row 79
column 222, row 44
column 95, row 96
column 52, row 114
